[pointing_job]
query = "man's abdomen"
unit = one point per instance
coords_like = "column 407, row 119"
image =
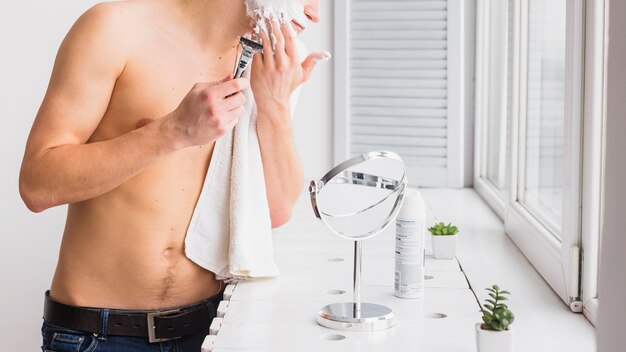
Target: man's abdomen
column 125, row 249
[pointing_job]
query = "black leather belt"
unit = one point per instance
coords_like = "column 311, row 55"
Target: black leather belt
column 156, row 326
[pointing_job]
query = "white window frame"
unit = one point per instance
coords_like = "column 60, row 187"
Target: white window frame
column 482, row 185
column 559, row 262
column 460, row 91
column 341, row 124
column 594, row 121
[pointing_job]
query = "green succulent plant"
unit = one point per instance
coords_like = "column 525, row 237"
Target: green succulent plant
column 441, row 229
column 496, row 315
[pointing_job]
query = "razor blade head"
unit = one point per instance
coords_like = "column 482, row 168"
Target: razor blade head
column 257, row 47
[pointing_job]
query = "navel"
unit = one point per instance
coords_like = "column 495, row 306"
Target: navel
column 167, row 253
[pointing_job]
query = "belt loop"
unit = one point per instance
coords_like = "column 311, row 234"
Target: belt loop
column 104, row 323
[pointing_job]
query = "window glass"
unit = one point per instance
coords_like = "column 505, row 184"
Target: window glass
column 545, row 112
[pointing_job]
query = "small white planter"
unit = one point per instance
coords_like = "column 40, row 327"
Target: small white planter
column 494, row 341
column 444, row 247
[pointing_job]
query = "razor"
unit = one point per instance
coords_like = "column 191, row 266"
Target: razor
column 250, row 48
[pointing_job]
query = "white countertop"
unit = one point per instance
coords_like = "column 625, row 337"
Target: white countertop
column 279, row 314
column 543, row 322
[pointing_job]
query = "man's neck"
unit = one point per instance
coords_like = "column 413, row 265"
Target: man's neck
column 217, row 23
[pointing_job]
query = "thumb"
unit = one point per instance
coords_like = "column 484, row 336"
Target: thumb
column 309, row 64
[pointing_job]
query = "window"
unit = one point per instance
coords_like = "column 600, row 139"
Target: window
column 542, row 192
column 534, row 164
column 493, row 67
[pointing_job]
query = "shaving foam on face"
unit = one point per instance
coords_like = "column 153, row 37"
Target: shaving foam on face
column 283, row 11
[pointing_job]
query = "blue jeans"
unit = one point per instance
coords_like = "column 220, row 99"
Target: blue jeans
column 58, row 339
column 61, row 339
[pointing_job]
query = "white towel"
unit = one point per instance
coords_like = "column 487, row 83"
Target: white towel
column 230, row 233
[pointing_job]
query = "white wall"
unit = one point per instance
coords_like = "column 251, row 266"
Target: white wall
column 30, row 33
column 612, row 281
column 314, row 115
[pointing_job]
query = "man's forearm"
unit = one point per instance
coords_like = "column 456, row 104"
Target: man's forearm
column 284, row 178
column 73, row 173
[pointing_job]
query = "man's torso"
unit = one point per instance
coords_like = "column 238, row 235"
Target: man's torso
column 125, row 249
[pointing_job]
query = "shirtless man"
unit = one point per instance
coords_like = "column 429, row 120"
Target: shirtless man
column 139, row 93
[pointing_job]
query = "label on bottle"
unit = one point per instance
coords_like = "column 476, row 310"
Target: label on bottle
column 409, row 273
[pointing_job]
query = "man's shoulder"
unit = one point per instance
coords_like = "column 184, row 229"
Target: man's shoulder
column 117, row 20
column 110, row 14
column 108, row 29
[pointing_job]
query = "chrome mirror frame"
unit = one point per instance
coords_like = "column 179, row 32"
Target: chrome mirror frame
column 362, row 179
column 357, row 316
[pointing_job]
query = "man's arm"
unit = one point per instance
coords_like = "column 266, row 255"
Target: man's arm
column 281, row 166
column 276, row 74
column 59, row 167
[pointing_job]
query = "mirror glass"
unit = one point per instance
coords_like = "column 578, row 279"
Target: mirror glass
column 361, row 197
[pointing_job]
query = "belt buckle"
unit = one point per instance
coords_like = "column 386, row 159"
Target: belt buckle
column 152, row 328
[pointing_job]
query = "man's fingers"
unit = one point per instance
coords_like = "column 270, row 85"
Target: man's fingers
column 268, row 50
column 307, row 67
column 290, row 43
column 234, row 101
column 277, row 37
column 311, row 61
column 235, row 113
column 233, row 86
column 257, row 62
column 279, row 44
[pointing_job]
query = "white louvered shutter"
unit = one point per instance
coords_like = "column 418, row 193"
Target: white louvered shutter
column 398, row 84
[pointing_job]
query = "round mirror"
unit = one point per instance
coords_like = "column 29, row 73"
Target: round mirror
column 360, row 197
column 357, row 200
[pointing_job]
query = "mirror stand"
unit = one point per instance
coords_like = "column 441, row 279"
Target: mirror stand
column 358, row 199
column 355, row 315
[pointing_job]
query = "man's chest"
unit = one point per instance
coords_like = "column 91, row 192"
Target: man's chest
column 153, row 84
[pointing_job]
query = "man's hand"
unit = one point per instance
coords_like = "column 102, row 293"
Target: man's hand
column 207, row 112
column 277, row 72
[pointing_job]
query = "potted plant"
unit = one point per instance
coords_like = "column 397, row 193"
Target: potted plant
column 444, row 240
column 495, row 333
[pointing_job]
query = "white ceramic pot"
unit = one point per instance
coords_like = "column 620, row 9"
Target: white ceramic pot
column 494, row 341
column 444, row 247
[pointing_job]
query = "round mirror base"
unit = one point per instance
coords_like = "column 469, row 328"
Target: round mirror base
column 340, row 316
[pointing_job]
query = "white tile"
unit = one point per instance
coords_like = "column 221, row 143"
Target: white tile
column 450, row 334
column 379, row 270
column 323, row 294
column 433, row 264
column 371, row 275
column 327, row 244
column 275, row 291
column 307, row 229
column 451, row 302
column 222, row 308
column 324, row 245
column 332, row 262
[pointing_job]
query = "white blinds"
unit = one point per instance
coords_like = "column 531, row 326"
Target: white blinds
column 398, row 83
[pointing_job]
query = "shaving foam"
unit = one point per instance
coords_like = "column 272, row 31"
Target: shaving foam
column 283, row 11
column 323, row 56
